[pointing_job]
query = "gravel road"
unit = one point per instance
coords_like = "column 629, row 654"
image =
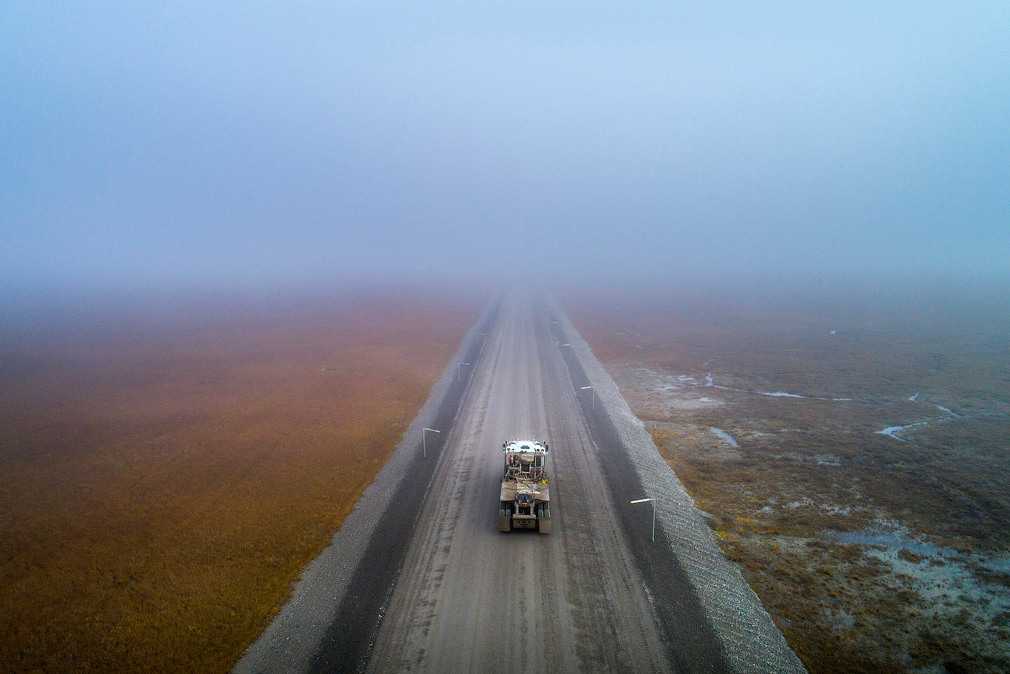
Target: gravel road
column 420, row 579
column 473, row 599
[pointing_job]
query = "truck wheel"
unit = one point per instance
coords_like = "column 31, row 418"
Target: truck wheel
column 504, row 520
column 544, row 519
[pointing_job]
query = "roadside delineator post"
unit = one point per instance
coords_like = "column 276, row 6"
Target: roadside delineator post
column 583, row 388
column 424, row 442
column 643, row 500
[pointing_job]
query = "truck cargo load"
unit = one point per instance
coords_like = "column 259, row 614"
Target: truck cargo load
column 525, row 494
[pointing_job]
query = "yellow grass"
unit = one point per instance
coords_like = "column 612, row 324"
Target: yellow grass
column 163, row 486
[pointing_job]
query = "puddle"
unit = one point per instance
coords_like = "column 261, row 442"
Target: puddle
column 724, row 435
column 892, row 431
column 890, row 539
column 890, row 534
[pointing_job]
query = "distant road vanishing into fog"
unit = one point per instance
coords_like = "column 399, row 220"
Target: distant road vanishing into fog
column 420, row 578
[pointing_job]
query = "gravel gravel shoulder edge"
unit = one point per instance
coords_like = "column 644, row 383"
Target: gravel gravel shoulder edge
column 291, row 640
column 752, row 641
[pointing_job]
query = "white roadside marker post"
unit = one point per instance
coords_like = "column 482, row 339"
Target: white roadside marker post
column 643, row 500
column 583, row 388
column 424, row 441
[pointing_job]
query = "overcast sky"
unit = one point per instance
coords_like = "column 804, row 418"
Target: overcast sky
column 255, row 143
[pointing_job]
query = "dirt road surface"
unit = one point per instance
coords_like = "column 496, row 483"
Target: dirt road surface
column 470, row 598
column 420, row 579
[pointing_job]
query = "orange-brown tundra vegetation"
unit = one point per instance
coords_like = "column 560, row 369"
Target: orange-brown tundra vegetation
column 166, row 473
column 873, row 553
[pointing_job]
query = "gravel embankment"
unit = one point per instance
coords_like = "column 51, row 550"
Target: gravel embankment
column 750, row 639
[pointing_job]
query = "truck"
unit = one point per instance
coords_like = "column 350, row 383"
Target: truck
column 525, row 493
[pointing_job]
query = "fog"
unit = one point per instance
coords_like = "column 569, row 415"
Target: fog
column 194, row 145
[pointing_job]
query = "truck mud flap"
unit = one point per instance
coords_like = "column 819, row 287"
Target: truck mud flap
column 544, row 520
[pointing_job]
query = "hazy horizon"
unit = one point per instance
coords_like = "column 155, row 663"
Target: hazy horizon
column 251, row 147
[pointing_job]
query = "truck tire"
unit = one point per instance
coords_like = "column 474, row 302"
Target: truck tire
column 544, row 519
column 504, row 520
